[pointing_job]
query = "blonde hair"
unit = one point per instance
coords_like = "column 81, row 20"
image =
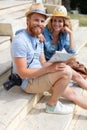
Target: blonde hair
column 67, row 22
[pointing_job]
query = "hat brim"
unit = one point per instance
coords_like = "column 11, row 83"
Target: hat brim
column 36, row 11
column 60, row 15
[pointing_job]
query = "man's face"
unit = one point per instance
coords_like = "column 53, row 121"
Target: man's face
column 35, row 24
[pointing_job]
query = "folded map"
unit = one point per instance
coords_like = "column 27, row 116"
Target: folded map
column 61, row 56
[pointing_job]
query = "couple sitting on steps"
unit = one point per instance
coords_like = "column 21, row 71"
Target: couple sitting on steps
column 30, row 58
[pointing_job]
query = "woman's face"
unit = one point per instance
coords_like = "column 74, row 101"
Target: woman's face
column 57, row 23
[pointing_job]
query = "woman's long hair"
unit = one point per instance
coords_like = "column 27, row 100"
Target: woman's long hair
column 67, row 22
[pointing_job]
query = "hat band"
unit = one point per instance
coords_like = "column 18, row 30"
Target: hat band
column 59, row 14
column 39, row 11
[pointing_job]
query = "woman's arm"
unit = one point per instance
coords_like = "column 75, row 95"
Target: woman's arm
column 71, row 39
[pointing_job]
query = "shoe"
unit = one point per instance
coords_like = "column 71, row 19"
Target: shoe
column 59, row 108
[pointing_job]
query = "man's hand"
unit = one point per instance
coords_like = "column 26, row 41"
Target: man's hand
column 56, row 67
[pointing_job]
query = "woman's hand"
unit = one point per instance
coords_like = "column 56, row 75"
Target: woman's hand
column 66, row 29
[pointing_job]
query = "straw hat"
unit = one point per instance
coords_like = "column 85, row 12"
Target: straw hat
column 60, row 11
column 36, row 8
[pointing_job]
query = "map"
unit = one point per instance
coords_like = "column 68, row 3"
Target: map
column 61, row 56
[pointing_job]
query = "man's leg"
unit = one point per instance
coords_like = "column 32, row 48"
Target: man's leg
column 58, row 88
column 58, row 82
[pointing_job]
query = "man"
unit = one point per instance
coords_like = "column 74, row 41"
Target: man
column 28, row 56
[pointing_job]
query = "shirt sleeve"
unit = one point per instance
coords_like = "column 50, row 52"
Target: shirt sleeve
column 18, row 48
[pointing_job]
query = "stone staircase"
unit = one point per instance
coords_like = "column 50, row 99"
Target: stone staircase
column 37, row 119
column 15, row 104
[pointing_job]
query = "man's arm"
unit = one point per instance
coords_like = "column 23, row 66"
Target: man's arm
column 43, row 61
column 24, row 72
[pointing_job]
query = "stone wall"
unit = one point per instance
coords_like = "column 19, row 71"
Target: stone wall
column 53, row 1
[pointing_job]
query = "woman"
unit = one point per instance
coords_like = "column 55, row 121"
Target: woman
column 58, row 36
column 58, row 33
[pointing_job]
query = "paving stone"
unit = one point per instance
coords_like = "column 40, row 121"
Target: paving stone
column 14, row 106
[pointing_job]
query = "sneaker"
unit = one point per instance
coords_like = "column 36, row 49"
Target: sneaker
column 59, row 108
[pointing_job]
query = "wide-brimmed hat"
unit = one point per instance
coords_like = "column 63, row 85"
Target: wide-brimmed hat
column 36, row 8
column 60, row 11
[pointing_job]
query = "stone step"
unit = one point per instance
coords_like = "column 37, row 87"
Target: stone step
column 5, row 56
column 14, row 106
column 75, row 24
column 14, row 8
column 15, row 98
column 13, row 4
column 37, row 119
column 15, row 24
column 3, row 39
column 80, row 37
column 21, row 103
column 5, row 30
column 82, row 55
column 79, row 120
column 15, row 14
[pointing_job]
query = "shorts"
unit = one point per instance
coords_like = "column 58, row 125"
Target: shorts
column 38, row 85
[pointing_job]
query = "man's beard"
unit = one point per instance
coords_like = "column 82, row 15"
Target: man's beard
column 35, row 30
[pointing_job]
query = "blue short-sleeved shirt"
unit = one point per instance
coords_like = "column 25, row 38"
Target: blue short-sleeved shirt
column 29, row 47
column 63, row 43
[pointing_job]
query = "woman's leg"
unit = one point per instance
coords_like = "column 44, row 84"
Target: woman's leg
column 73, row 96
column 79, row 79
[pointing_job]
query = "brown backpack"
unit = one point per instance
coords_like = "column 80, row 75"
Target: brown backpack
column 80, row 68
